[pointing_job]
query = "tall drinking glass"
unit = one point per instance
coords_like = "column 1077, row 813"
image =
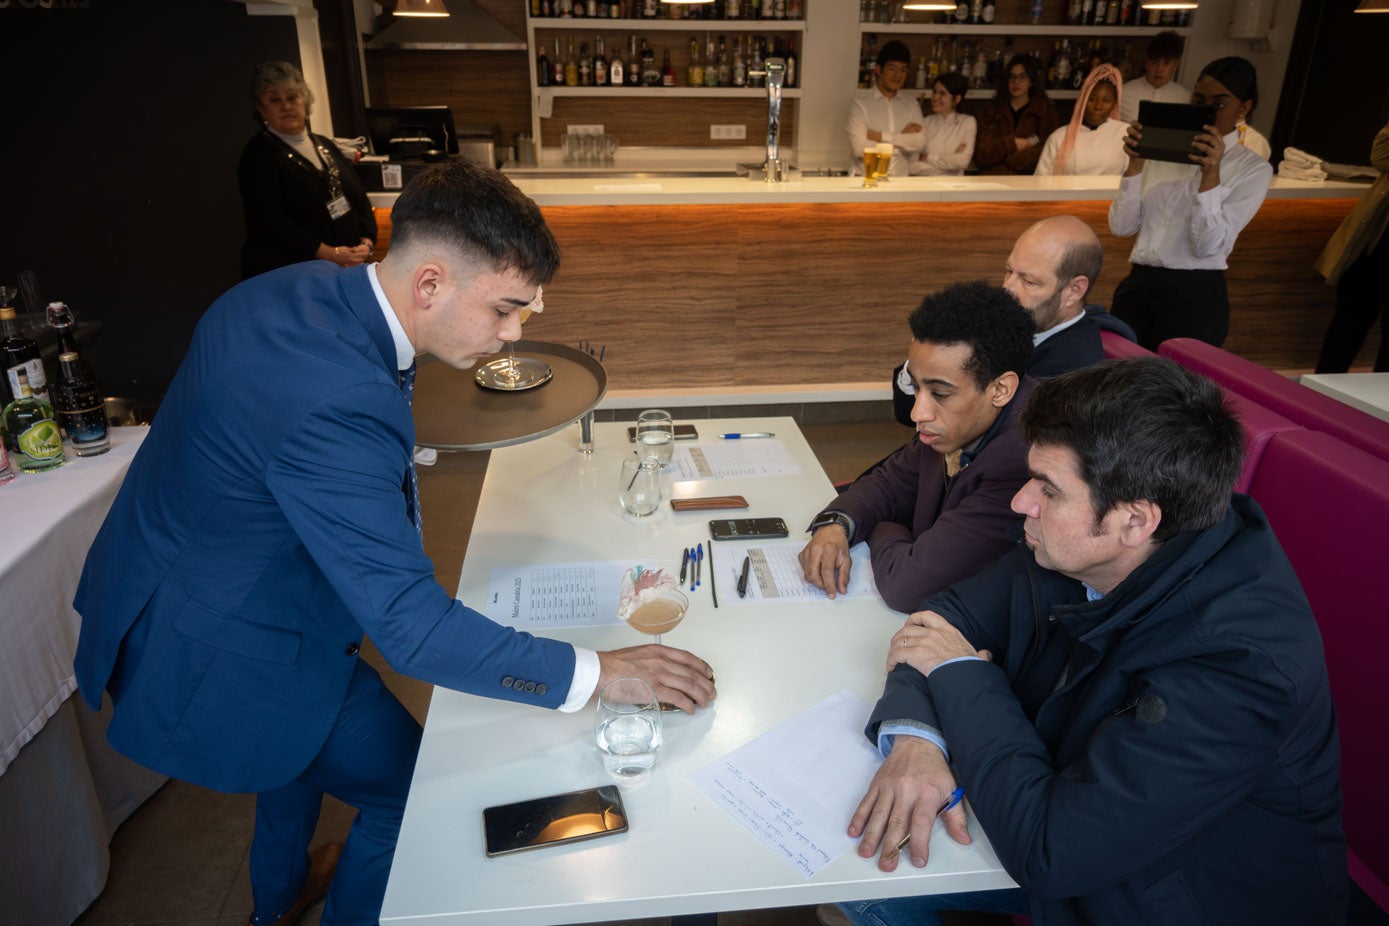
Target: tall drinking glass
column 884, row 160
column 627, row 729
column 870, row 165
column 656, row 436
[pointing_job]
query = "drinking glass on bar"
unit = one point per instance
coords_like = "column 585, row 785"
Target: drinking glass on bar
column 884, row 161
column 870, row 165
column 656, row 435
column 627, row 729
column 639, row 486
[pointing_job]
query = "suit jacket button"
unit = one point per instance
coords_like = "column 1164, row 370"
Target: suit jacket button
column 540, row 689
column 352, row 648
column 530, row 686
column 507, row 680
column 519, row 684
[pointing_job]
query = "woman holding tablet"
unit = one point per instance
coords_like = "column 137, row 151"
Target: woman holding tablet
column 1187, row 217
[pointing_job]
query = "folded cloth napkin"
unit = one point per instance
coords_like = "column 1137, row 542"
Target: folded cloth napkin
column 1301, row 158
column 352, row 148
column 1292, row 171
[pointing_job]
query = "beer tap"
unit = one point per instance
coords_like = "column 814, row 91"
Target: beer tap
column 774, row 69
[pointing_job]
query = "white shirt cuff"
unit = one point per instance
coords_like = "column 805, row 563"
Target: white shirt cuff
column 955, row 659
column 585, row 679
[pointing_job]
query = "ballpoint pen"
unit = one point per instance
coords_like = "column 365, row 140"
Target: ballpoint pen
column 684, row 563
column 955, row 797
column 694, row 567
column 746, row 434
column 699, row 564
column 743, row 579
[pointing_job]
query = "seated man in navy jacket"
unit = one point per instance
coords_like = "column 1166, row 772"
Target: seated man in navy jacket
column 269, row 521
column 1135, row 701
column 1051, row 270
column 937, row 509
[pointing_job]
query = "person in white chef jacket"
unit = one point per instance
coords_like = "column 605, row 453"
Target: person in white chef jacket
column 1093, row 143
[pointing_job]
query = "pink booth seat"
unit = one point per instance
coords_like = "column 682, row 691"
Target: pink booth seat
column 1117, row 346
column 1329, row 504
column 1308, row 408
column 1260, row 425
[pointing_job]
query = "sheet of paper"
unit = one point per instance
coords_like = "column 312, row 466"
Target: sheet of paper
column 559, row 595
column 774, row 572
column 734, row 459
column 795, row 787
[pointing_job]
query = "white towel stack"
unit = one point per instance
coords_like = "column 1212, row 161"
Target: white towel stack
column 1299, row 165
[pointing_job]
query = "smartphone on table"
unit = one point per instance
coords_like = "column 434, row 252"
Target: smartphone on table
column 554, row 820
column 682, row 432
column 746, row 528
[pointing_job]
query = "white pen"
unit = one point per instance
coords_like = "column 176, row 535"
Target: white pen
column 747, row 434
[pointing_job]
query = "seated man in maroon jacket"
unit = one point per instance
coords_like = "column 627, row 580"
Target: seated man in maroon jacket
column 937, row 510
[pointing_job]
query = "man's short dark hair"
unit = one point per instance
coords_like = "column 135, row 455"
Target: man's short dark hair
column 1166, row 46
column 480, row 214
column 894, row 51
column 987, row 318
column 1081, row 259
column 1144, row 429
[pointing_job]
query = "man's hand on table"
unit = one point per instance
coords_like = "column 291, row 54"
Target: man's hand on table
column 904, row 796
column 926, row 640
column 826, row 561
column 680, row 678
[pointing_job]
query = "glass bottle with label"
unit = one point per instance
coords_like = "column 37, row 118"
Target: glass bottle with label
column 667, row 71
column 31, row 432
column 694, row 73
column 557, row 78
column 600, row 63
column 571, row 66
column 76, row 392
column 711, row 67
column 740, row 66
column 633, row 68
column 792, row 70
column 19, row 354
column 617, row 70
column 543, row 71
column 650, row 74
column 725, row 66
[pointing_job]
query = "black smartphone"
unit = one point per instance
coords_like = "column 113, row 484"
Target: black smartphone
column 746, row 528
column 1170, row 128
column 682, row 432
column 549, row 821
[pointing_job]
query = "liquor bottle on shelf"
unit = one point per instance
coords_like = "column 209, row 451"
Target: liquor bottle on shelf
column 711, row 67
column 757, row 75
column 535, row 8
column 650, row 9
column 795, row 9
column 617, row 69
column 650, row 74
column 1101, row 11
column 740, row 67
column 565, row 8
column 20, row 355
column 725, row 66
column 557, row 67
column 976, row 11
column 585, row 66
column 778, row 9
column 31, row 432
column 543, row 71
column 694, row 71
column 600, row 63
column 793, row 76
column 733, row 9
column 617, row 10
column 981, row 68
column 571, row 67
column 1073, row 12
column 634, row 63
column 76, row 391
column 592, row 9
column 921, row 73
column 988, row 12
column 1036, row 16
column 768, row 9
column 962, row 11
column 667, row 72
column 1126, row 9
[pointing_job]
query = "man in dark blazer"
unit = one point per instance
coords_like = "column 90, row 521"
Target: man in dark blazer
column 937, row 509
column 268, row 521
column 1051, row 270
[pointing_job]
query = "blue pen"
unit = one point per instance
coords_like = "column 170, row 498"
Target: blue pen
column 955, row 797
column 699, row 564
column 694, row 567
column 747, row 434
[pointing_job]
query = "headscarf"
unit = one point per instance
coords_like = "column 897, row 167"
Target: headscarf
column 1105, row 72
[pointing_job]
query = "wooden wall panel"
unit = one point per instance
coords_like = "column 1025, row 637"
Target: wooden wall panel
column 487, row 87
column 756, row 295
column 678, row 121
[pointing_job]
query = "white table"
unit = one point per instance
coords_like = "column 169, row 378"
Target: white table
column 1368, row 392
column 63, row 790
column 544, row 503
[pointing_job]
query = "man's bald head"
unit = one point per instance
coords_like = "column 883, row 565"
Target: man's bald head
column 1052, row 267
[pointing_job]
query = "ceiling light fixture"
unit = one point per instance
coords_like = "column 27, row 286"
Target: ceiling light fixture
column 421, row 8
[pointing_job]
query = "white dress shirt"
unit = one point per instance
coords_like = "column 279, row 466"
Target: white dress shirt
column 586, row 668
column 889, row 116
column 1137, row 90
column 942, row 155
column 1254, row 140
column 1097, row 151
column 1180, row 228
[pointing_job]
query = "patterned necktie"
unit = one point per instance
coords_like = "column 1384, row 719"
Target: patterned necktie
column 412, row 480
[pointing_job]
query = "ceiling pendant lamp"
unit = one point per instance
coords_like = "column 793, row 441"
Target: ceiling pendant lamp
column 1373, row 6
column 929, row 7
column 421, row 8
column 1168, row 4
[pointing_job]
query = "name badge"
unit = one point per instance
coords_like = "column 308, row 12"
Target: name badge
column 337, row 208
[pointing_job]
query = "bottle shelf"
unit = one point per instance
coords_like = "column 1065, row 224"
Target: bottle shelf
column 756, row 93
column 598, row 23
column 1018, row 29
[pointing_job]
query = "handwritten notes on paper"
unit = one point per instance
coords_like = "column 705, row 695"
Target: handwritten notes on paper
column 733, row 460
column 796, row 786
column 559, row 595
column 774, row 572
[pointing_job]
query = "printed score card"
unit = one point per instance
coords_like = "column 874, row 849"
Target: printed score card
column 737, row 459
column 775, row 573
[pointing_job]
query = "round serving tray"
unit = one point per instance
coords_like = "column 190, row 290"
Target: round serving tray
column 452, row 412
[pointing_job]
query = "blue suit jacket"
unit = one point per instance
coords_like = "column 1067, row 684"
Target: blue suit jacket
column 261, row 529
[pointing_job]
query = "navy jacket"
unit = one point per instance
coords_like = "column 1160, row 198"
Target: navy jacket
column 1165, row 755
column 261, row 529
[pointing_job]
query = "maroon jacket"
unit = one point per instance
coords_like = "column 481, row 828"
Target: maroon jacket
column 924, row 536
column 995, row 151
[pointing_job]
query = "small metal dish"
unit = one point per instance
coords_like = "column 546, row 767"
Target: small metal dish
column 498, row 374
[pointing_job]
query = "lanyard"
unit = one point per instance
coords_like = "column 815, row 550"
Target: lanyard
column 330, row 166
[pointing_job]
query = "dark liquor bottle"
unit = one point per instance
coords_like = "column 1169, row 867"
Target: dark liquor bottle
column 600, row 63
column 31, row 433
column 80, row 407
column 792, row 77
column 543, row 72
column 633, row 75
column 19, row 355
column 557, row 78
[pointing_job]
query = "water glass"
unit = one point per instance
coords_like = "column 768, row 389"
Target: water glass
column 656, row 436
column 628, row 730
column 639, row 486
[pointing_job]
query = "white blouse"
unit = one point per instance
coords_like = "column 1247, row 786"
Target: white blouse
column 1097, row 151
column 949, row 145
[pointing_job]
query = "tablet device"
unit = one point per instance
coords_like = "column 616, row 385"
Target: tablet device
column 1169, row 128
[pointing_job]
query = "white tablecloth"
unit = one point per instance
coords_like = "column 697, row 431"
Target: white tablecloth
column 49, row 520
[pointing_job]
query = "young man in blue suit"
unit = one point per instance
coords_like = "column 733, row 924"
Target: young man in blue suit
column 268, row 522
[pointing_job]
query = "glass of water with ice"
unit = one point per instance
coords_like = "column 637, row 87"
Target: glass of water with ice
column 656, row 435
column 628, row 730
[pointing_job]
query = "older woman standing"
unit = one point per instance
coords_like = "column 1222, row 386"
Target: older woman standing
column 949, row 133
column 1016, row 121
column 1187, row 217
column 301, row 197
column 1093, row 143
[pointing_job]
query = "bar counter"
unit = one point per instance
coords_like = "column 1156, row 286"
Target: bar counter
column 710, row 284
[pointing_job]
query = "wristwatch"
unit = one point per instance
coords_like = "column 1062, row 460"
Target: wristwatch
column 833, row 517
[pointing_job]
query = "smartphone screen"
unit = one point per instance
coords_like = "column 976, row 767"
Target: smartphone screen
column 682, row 432
column 746, row 528
column 547, row 821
